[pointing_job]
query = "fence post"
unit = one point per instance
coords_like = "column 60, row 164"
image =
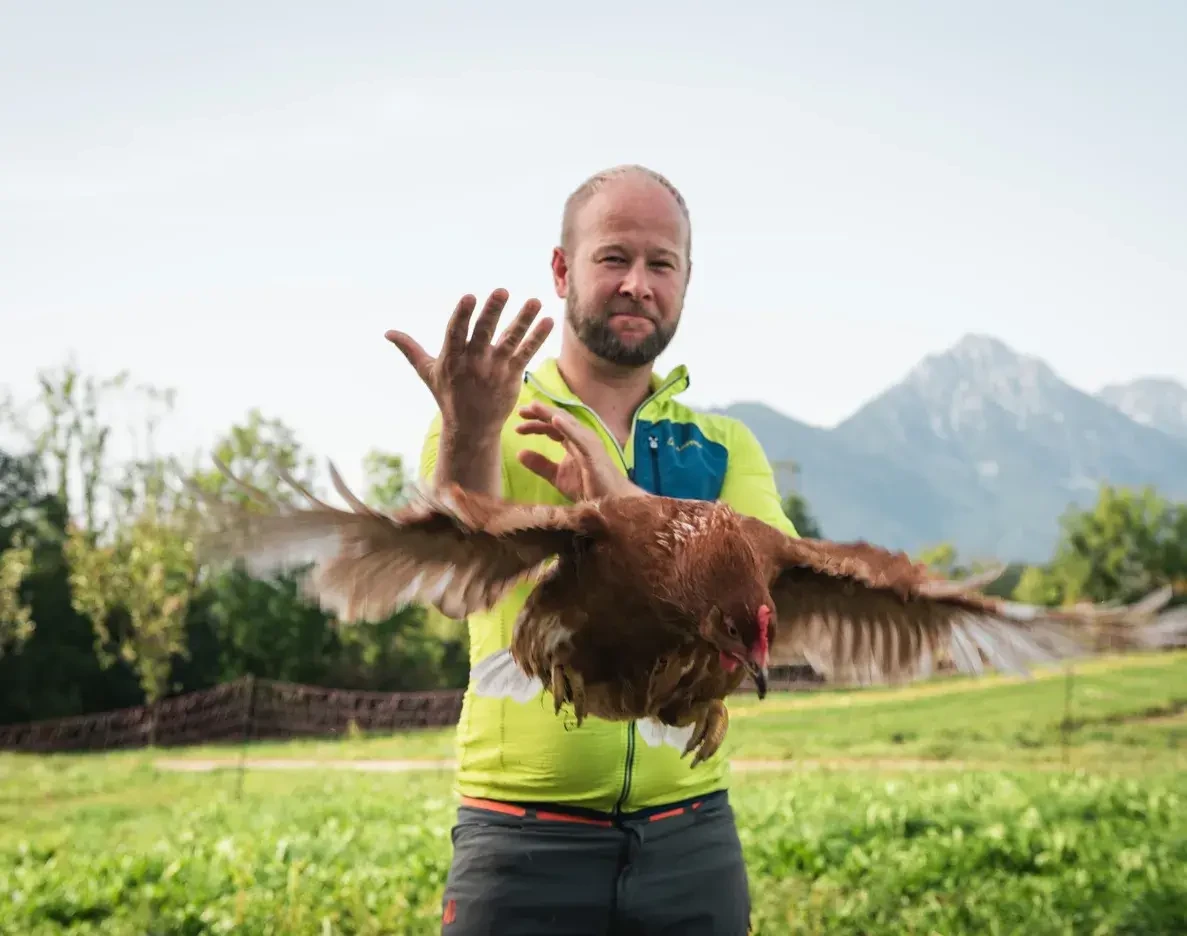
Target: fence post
column 1067, row 711
column 248, row 719
column 152, row 724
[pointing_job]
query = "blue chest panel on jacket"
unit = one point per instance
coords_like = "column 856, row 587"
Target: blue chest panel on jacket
column 675, row 459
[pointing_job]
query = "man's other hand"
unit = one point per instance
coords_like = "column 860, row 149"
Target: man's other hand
column 586, row 472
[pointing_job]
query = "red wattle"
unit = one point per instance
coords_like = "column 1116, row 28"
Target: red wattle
column 728, row 663
column 764, row 622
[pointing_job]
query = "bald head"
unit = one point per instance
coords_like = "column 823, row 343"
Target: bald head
column 631, row 176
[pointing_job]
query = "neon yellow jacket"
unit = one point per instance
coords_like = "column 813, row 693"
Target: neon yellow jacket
column 526, row 752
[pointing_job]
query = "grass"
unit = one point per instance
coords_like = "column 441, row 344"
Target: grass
column 109, row 844
column 1135, row 706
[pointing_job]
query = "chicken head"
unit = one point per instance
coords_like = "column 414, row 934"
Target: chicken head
column 742, row 638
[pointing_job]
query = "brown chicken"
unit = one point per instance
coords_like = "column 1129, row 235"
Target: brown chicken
column 648, row 608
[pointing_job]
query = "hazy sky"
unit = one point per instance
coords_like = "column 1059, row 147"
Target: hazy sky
column 237, row 199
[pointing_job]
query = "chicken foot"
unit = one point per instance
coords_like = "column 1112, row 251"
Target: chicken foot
column 710, row 730
column 565, row 677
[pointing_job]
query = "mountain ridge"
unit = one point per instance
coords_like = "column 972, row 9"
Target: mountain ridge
column 1159, row 402
column 977, row 445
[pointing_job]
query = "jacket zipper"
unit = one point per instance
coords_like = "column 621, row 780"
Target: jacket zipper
column 628, row 768
column 653, row 444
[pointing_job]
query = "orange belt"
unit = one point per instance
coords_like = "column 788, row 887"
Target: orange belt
column 510, row 809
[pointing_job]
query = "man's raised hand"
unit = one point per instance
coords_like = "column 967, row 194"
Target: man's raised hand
column 476, row 381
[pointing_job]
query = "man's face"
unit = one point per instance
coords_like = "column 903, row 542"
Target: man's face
column 625, row 276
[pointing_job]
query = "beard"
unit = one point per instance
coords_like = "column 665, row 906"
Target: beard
column 593, row 329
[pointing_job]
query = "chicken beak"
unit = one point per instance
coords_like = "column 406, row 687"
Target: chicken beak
column 759, row 673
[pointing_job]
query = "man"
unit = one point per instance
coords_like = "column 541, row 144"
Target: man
column 566, row 830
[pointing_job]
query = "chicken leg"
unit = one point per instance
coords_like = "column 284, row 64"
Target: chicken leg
column 565, row 677
column 711, row 726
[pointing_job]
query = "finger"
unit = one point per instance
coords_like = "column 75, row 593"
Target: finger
column 537, row 427
column 556, row 424
column 510, row 339
column 537, row 463
column 459, row 326
column 528, row 349
column 538, row 410
column 581, row 438
column 420, row 359
column 484, row 328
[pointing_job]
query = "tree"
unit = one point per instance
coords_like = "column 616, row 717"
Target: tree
column 259, row 624
column 387, row 484
column 266, row 627
column 63, row 426
column 264, row 623
column 1128, row 544
column 135, row 579
column 55, row 672
column 18, row 491
column 135, row 589
column 251, row 450
column 795, row 506
column 16, row 617
column 131, row 568
column 942, row 559
column 104, row 593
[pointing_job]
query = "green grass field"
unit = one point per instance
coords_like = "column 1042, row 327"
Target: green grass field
column 995, row 836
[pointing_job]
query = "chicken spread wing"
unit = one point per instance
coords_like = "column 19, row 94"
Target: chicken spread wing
column 859, row 614
column 456, row 550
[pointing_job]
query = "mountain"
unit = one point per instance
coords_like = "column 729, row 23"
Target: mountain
column 1152, row 401
column 977, row 445
column 853, row 493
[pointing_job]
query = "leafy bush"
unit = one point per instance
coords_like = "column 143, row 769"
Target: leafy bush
column 112, row 847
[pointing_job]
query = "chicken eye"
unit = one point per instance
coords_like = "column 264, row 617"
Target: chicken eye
column 731, row 630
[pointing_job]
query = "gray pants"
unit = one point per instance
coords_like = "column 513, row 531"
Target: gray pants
column 522, row 871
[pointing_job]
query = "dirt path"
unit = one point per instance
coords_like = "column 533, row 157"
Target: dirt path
column 194, row 765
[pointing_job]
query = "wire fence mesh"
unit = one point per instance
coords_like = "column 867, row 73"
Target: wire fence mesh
column 247, row 708
column 266, row 709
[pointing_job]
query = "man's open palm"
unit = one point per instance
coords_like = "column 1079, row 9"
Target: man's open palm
column 474, row 381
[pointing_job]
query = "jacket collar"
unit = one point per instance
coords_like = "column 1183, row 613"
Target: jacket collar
column 547, row 377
